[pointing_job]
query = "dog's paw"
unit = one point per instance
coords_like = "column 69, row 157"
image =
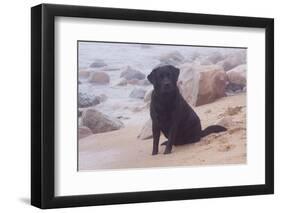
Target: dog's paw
column 167, row 151
column 154, row 152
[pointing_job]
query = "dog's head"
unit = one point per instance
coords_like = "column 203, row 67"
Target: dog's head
column 164, row 78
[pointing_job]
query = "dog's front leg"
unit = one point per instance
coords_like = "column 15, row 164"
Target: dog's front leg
column 156, row 136
column 171, row 139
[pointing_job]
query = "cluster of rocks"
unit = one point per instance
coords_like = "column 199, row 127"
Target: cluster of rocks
column 91, row 120
column 202, row 80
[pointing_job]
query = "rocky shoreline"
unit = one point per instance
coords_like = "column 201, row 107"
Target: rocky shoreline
column 110, row 97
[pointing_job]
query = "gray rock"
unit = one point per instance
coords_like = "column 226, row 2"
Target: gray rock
column 102, row 98
column 233, row 59
column 97, row 64
column 99, row 122
column 215, row 57
column 146, row 131
column 87, row 99
column 137, row 93
column 172, row 58
column 130, row 73
column 232, row 87
column 237, row 75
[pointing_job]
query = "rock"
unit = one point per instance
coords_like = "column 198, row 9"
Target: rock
column 87, row 99
column 226, row 122
column 233, row 59
column 144, row 82
column 130, row 73
column 205, row 61
column 147, row 96
column 146, row 131
column 98, row 63
column 201, row 84
column 237, row 75
column 137, row 93
column 140, row 107
column 80, row 111
column 84, row 132
column 215, row 57
column 84, row 74
column 99, row 78
column 212, row 85
column 133, row 81
column 231, row 87
column 99, row 122
column 122, row 82
column 102, row 98
column 172, row 58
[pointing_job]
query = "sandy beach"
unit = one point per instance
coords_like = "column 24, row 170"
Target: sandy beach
column 122, row 149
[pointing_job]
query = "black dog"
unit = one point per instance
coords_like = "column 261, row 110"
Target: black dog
column 171, row 114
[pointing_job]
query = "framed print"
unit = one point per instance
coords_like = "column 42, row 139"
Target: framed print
column 139, row 106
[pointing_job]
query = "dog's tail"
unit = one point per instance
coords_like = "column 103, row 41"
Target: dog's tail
column 212, row 129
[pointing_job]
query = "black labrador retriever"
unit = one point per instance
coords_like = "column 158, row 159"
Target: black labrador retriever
column 171, row 114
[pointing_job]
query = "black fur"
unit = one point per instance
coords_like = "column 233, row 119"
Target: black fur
column 171, row 114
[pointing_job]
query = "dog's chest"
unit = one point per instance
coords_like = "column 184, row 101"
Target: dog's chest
column 164, row 120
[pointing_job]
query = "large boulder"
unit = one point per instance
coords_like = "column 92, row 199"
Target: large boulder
column 99, row 122
column 202, row 84
column 99, row 78
column 172, row 58
column 129, row 73
column 98, row 64
column 137, row 93
column 237, row 75
column 233, row 59
column 146, row 131
column 83, row 132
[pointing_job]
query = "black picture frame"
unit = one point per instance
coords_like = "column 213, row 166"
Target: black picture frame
column 43, row 102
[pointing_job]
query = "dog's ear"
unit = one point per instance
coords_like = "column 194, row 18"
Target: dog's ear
column 176, row 73
column 151, row 77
